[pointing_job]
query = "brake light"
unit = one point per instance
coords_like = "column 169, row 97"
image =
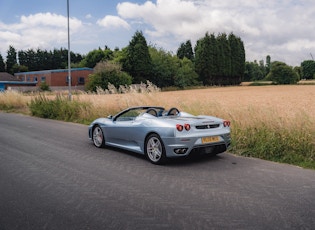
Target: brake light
column 187, row 127
column 226, row 123
column 179, row 127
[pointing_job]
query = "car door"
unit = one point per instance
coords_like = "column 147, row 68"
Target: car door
column 125, row 133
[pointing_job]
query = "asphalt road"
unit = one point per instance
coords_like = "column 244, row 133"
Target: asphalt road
column 52, row 177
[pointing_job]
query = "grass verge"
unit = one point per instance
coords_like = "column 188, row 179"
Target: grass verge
column 284, row 145
column 59, row 108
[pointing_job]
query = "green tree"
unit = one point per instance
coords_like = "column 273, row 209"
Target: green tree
column 185, row 50
column 19, row 68
column 186, row 75
column 164, row 67
column 107, row 72
column 268, row 64
column 237, row 59
column 96, row 56
column 298, row 71
column 308, row 69
column 43, row 59
column 11, row 59
column 59, row 58
column 2, row 65
column 281, row 73
column 28, row 58
column 224, row 60
column 206, row 53
column 254, row 71
column 120, row 56
column 138, row 62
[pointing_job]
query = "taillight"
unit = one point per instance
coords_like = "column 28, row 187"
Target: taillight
column 179, row 127
column 226, row 123
column 187, row 127
column 182, row 127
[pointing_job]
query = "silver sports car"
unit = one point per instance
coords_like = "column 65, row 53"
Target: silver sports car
column 159, row 134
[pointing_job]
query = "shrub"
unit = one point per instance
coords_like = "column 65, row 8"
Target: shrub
column 105, row 73
column 281, row 73
column 60, row 108
column 44, row 86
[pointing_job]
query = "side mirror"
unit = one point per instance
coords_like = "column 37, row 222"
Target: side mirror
column 110, row 117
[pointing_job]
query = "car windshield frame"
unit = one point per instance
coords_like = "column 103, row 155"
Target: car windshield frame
column 132, row 113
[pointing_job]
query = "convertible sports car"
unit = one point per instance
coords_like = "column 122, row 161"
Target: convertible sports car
column 159, row 134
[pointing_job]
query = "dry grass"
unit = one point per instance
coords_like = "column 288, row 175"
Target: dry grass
column 286, row 105
column 13, row 101
column 307, row 82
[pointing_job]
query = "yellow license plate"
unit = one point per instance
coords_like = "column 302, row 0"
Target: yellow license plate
column 205, row 140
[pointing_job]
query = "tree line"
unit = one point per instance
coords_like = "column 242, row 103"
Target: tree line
column 265, row 70
column 35, row 60
column 214, row 60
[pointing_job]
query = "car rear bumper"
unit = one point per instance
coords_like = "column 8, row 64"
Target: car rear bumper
column 183, row 146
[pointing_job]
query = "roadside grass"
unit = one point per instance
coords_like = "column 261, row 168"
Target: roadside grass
column 275, row 123
column 12, row 101
column 59, row 108
column 279, row 142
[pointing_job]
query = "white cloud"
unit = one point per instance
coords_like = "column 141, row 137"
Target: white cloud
column 42, row 30
column 88, row 16
column 266, row 27
column 282, row 29
column 110, row 21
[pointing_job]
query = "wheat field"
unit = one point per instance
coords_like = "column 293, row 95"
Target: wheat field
column 277, row 105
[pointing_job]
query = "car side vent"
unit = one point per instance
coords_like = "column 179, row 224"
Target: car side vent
column 212, row 126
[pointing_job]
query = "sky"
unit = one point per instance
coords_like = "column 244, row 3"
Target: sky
column 283, row 29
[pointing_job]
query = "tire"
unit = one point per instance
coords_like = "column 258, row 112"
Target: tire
column 154, row 149
column 98, row 137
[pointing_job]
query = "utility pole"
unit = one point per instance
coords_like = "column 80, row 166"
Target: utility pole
column 69, row 57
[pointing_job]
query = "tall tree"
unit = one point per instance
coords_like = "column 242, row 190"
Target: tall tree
column 206, row 54
column 224, row 59
column 2, row 65
column 237, row 59
column 268, row 64
column 308, row 69
column 185, row 50
column 240, row 64
column 11, row 59
column 138, row 62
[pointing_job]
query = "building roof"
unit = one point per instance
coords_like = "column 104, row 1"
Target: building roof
column 18, row 83
column 7, row 77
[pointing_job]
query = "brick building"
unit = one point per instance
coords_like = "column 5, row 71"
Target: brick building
column 57, row 78
column 8, row 81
